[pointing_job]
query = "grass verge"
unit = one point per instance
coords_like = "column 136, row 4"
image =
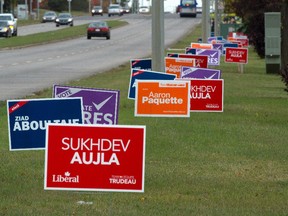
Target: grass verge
column 230, row 163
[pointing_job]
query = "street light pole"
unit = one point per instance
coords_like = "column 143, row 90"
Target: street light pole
column 205, row 20
column 158, row 35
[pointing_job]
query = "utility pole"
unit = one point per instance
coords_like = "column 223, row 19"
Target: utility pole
column 158, row 35
column 205, row 20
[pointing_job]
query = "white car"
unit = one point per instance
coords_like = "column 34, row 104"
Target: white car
column 12, row 22
column 144, row 9
column 115, row 9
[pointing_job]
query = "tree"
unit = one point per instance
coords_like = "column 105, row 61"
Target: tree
column 252, row 13
column 284, row 45
column 57, row 5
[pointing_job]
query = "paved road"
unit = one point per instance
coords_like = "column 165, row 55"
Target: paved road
column 28, row 70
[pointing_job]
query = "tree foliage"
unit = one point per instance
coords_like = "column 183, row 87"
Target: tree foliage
column 252, row 14
column 58, row 5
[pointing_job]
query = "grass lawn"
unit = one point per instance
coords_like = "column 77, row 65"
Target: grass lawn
column 230, row 163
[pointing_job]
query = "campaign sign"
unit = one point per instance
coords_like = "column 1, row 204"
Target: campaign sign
column 200, row 60
column 100, row 106
column 229, row 45
column 173, row 65
column 173, row 55
column 162, row 98
column 28, row 119
column 190, row 50
column 95, row 158
column 213, row 55
column 201, row 45
column 145, row 75
column 236, row 55
column 206, row 95
column 200, row 73
column 218, row 46
column 215, row 38
column 141, row 64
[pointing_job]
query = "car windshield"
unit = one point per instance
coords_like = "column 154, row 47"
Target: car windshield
column 112, row 7
column 64, row 15
column 49, row 14
column 5, row 17
column 188, row 2
column 98, row 24
column 97, row 7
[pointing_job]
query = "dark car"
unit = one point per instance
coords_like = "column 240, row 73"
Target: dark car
column 98, row 29
column 64, row 19
column 49, row 16
column 5, row 30
column 97, row 10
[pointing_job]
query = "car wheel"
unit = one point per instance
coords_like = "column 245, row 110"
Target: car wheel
column 88, row 37
column 107, row 37
column 109, row 15
column 14, row 33
column 57, row 25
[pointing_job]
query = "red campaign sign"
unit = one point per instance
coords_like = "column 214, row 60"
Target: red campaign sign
column 95, row 158
column 201, row 61
column 206, row 95
column 236, row 55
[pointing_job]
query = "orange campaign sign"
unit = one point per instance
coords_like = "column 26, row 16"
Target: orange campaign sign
column 173, row 65
column 201, row 45
column 163, row 98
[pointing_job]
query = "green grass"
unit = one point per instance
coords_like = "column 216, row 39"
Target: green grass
column 230, row 163
column 52, row 36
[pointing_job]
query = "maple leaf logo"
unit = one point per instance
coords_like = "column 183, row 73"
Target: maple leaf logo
column 67, row 174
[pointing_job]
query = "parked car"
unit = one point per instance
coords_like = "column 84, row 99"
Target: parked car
column 97, row 10
column 64, row 19
column 144, row 9
column 5, row 30
column 115, row 9
column 98, row 29
column 126, row 9
column 12, row 21
column 49, row 16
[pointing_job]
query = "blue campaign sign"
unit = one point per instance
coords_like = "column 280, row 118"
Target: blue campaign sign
column 145, row 75
column 190, row 50
column 199, row 73
column 173, row 55
column 28, row 119
column 141, row 64
column 230, row 45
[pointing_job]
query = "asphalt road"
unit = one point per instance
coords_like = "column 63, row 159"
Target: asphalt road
column 28, row 70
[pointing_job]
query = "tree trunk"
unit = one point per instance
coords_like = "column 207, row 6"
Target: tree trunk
column 284, row 44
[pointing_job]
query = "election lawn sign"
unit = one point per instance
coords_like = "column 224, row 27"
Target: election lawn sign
column 145, row 75
column 100, row 106
column 141, row 64
column 201, row 45
column 95, row 158
column 236, row 55
column 206, row 95
column 173, row 65
column 214, row 55
column 201, row 61
column 28, row 119
column 200, row 73
column 162, row 98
